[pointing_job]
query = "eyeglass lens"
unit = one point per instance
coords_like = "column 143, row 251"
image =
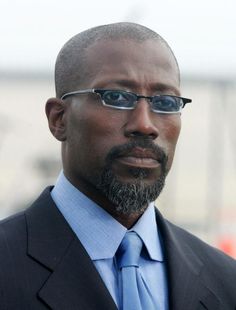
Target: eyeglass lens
column 123, row 99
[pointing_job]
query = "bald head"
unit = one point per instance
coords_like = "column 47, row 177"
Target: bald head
column 71, row 68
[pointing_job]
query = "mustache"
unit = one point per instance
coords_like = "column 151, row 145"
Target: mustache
column 125, row 149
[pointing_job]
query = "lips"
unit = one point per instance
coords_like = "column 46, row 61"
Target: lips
column 140, row 157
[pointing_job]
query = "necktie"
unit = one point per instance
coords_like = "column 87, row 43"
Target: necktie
column 135, row 294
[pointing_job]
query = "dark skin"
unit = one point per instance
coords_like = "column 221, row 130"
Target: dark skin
column 88, row 130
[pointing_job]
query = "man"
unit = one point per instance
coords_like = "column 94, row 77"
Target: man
column 117, row 113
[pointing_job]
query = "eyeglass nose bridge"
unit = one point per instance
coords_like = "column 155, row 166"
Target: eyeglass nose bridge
column 148, row 99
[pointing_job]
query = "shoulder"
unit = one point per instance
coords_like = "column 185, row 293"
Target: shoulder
column 215, row 261
column 202, row 248
column 13, row 229
column 21, row 275
column 217, row 264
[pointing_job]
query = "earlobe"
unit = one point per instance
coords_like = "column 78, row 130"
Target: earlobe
column 55, row 111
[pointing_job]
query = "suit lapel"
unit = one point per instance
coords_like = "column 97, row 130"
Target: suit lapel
column 186, row 287
column 73, row 281
column 75, row 284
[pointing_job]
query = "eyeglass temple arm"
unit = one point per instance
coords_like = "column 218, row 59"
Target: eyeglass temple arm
column 85, row 91
column 185, row 101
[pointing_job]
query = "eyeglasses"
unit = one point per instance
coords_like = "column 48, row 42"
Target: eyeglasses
column 124, row 100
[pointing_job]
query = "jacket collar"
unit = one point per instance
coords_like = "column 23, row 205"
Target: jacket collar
column 184, row 268
column 53, row 244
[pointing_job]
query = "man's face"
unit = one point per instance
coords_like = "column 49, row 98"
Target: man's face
column 123, row 155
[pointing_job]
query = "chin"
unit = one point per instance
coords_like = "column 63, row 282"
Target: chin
column 131, row 194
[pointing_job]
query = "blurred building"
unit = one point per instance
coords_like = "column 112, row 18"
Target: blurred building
column 200, row 193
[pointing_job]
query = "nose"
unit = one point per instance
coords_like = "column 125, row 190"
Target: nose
column 141, row 121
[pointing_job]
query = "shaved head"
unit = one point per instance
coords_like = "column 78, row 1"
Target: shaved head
column 71, row 68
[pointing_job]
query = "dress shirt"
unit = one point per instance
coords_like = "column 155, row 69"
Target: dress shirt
column 101, row 235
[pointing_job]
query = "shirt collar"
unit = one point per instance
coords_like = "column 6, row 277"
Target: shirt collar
column 98, row 231
column 147, row 229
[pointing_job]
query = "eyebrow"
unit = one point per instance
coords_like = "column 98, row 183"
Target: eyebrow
column 156, row 87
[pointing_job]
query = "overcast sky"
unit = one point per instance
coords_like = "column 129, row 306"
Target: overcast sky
column 201, row 33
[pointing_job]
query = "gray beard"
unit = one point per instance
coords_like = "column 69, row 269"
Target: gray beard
column 132, row 197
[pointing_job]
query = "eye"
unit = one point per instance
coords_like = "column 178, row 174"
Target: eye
column 167, row 103
column 118, row 98
column 114, row 96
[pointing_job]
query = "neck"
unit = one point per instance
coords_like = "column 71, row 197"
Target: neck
column 126, row 219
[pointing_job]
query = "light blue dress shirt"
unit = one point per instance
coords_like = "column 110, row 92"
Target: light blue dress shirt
column 101, row 236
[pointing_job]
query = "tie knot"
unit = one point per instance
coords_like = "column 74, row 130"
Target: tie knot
column 129, row 250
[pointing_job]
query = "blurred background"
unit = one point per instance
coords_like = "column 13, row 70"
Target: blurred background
column 200, row 194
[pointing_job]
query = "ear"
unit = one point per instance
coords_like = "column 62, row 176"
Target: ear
column 56, row 113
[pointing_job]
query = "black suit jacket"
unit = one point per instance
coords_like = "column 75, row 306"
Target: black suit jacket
column 43, row 265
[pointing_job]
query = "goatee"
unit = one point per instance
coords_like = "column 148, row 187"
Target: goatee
column 132, row 197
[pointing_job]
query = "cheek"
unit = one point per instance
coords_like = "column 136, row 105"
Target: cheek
column 95, row 131
column 169, row 133
column 171, row 130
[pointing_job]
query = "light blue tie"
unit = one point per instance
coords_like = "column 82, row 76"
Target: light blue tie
column 135, row 294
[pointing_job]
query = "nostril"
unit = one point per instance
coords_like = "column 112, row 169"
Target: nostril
column 136, row 133
column 152, row 136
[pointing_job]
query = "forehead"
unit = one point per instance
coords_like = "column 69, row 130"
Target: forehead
column 148, row 63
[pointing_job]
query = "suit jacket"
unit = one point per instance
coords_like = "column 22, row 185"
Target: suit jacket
column 43, row 266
